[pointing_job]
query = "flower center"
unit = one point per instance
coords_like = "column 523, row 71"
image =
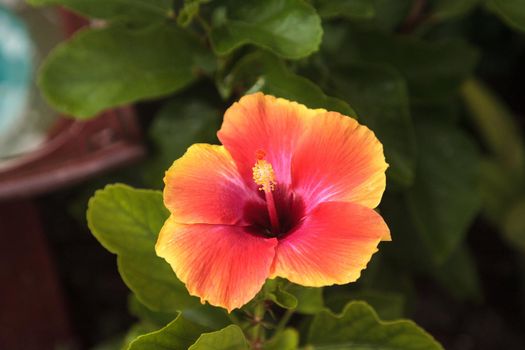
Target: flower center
column 264, row 176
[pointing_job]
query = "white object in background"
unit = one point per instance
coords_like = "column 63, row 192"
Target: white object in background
column 26, row 35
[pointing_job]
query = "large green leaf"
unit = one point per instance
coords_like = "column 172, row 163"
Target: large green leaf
column 379, row 95
column 445, row 196
column 510, row 11
column 179, row 334
column 262, row 71
column 102, row 68
column 135, row 10
column 126, row 221
column 229, row 338
column 359, row 328
column 180, row 123
column 290, row 28
column 432, row 70
column 353, row 9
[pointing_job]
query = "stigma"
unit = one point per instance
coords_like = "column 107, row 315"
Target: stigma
column 263, row 173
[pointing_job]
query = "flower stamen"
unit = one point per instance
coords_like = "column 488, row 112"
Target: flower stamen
column 264, row 176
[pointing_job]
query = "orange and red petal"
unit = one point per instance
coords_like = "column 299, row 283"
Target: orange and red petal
column 338, row 159
column 204, row 186
column 223, row 265
column 263, row 122
column 333, row 244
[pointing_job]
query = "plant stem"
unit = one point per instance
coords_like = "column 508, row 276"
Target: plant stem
column 203, row 23
column 283, row 322
column 415, row 17
column 257, row 332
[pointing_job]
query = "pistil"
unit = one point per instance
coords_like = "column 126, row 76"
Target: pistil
column 264, row 176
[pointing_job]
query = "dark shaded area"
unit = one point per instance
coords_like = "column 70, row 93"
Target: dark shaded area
column 33, row 311
column 502, row 53
column 96, row 296
column 498, row 322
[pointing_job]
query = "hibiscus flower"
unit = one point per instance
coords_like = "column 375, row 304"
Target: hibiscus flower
column 291, row 193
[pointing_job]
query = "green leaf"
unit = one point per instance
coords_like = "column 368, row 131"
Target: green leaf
column 211, row 317
column 116, row 10
column 352, row 9
column 496, row 124
column 179, row 334
column 290, row 28
column 359, row 328
column 511, row 12
column 122, row 342
column 388, row 305
column 286, row 340
column 154, row 282
column 432, row 70
column 180, row 123
column 144, row 314
column 379, row 95
column 229, row 338
column 275, row 290
column 309, row 299
column 103, row 68
column 136, row 331
column 445, row 196
column 283, row 298
column 263, row 71
column 459, row 276
column 444, row 9
column 127, row 221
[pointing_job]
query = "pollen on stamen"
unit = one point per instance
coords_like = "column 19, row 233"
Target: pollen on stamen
column 263, row 173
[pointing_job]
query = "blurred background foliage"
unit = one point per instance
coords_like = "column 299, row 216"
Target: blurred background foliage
column 439, row 81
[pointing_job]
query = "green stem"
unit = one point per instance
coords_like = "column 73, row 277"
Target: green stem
column 203, row 23
column 257, row 331
column 283, row 322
